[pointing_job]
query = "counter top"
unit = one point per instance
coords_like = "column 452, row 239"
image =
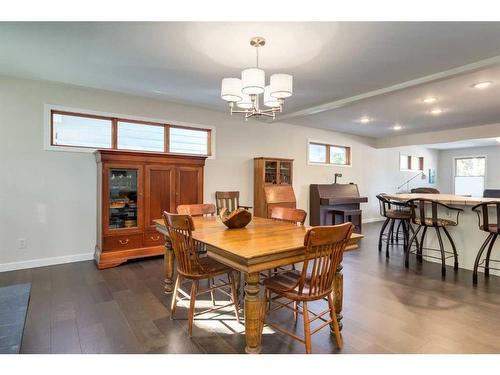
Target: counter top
column 448, row 199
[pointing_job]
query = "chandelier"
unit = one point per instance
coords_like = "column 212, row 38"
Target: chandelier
column 245, row 93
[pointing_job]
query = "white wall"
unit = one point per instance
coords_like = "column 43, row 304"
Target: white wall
column 49, row 198
column 446, row 167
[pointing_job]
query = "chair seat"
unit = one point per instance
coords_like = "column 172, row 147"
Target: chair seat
column 209, row 267
column 439, row 222
column 398, row 214
column 286, row 285
column 491, row 228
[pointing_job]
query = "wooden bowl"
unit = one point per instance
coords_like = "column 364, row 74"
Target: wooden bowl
column 239, row 218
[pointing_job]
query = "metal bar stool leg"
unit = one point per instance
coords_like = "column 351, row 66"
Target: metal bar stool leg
column 420, row 247
column 455, row 255
column 443, row 256
column 382, row 233
column 487, row 264
column 392, row 230
column 390, row 234
column 397, row 230
column 407, row 249
column 405, row 234
column 410, row 227
column 478, row 258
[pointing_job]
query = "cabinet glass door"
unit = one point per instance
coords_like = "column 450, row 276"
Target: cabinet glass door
column 271, row 172
column 285, row 172
column 122, row 186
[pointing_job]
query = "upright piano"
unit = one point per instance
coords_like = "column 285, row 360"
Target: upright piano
column 328, row 203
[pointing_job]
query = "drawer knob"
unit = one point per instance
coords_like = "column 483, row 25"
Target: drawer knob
column 124, row 242
column 155, row 238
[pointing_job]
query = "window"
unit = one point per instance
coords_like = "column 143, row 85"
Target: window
column 317, row 153
column 188, row 141
column 411, row 163
column 89, row 131
column 470, row 173
column 133, row 136
column 80, row 131
column 323, row 153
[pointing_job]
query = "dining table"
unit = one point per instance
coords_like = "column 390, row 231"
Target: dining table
column 262, row 245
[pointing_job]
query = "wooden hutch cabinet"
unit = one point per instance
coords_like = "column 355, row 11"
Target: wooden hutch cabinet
column 134, row 188
column 273, row 179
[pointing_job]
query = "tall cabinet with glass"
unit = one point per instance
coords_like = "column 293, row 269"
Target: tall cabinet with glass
column 273, row 178
column 134, row 188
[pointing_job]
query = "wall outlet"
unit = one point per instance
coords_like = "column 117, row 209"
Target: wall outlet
column 21, row 243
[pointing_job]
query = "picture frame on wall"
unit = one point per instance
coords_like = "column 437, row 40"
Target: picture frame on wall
column 432, row 176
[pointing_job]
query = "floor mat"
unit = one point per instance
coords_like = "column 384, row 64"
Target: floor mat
column 14, row 301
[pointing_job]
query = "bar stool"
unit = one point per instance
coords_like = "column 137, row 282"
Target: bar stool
column 492, row 227
column 393, row 211
column 423, row 220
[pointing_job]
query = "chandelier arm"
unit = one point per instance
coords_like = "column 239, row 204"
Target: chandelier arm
column 270, row 110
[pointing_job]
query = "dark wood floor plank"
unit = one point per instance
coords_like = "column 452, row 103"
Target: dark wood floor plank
column 64, row 337
column 118, row 332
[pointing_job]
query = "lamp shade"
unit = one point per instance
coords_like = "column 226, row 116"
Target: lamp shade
column 269, row 101
column 231, row 89
column 245, row 102
column 281, row 86
column 253, row 81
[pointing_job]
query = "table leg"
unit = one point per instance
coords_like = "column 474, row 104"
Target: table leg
column 253, row 313
column 338, row 294
column 169, row 267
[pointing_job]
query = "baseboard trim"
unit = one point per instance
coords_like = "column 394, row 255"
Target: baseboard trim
column 373, row 219
column 33, row 263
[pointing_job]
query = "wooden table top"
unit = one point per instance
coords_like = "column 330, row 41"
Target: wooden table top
column 448, row 199
column 260, row 239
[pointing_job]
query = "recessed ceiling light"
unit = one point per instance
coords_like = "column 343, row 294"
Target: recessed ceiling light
column 365, row 119
column 397, row 127
column 430, row 99
column 482, row 85
column 437, row 111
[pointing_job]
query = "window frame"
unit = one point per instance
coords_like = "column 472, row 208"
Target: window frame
column 421, row 162
column 51, row 110
column 328, row 159
column 455, row 158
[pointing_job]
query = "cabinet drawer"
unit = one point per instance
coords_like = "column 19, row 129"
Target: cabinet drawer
column 131, row 241
column 153, row 238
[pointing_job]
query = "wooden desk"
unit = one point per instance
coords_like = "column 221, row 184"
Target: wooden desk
column 261, row 245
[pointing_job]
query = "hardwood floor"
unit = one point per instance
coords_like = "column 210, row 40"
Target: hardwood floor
column 75, row 308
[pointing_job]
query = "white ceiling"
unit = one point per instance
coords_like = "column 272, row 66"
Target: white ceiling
column 331, row 63
column 470, row 143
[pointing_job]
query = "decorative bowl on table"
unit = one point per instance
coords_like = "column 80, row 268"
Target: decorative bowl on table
column 239, row 218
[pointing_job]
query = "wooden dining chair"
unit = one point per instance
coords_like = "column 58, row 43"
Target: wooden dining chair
column 289, row 215
column 192, row 267
column 203, row 209
column 229, row 200
column 324, row 250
